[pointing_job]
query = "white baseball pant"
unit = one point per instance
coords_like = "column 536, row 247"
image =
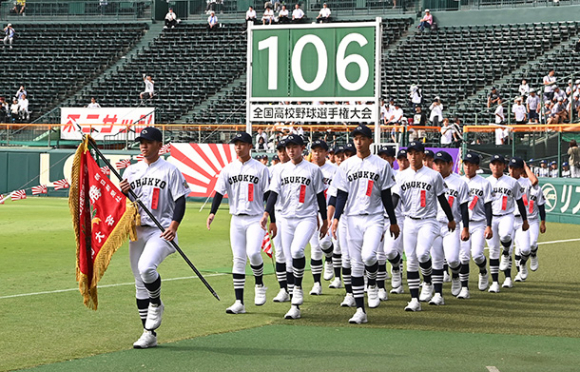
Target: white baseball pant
column 145, row 255
column 278, row 249
column 446, row 247
column 364, row 235
column 317, row 244
column 392, row 246
column 343, row 241
column 296, row 232
column 475, row 246
column 418, row 240
column 246, row 236
column 522, row 238
column 503, row 229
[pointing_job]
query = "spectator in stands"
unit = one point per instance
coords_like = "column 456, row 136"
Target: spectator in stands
column 559, row 93
column 211, row 5
column 283, row 16
column 4, row 110
column 21, row 92
column 419, row 119
column 426, row 21
column 436, row 115
column 324, row 14
column 574, row 107
column 558, row 113
column 170, row 19
column 549, row 82
column 493, row 97
column 458, row 131
column 212, row 22
column 298, row 15
column 519, row 111
column 502, row 132
column 533, row 106
column 554, row 169
column 10, row 33
column 566, row 173
column 149, row 87
column 396, row 115
column 14, row 109
column 447, row 134
column 416, row 96
column 94, row 104
column 19, row 7
column 268, row 16
column 574, row 158
column 262, row 135
column 261, row 145
column 543, row 170
column 524, row 89
column 23, row 112
column 250, row 15
column 570, row 88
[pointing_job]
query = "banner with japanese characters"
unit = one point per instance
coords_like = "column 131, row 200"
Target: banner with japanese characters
column 110, row 124
column 356, row 113
column 562, row 197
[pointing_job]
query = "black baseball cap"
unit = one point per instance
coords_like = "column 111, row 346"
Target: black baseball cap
column 429, row 153
column 417, row 146
column 543, row 162
column 295, row 139
column 150, row 134
column 497, row 158
column 389, row 151
column 242, row 137
column 338, row 150
column 265, row 157
column 516, row 162
column 320, row 143
column 471, row 157
column 364, row 130
column 281, row 145
column 402, row 154
column 443, row 156
column 350, row 147
column 275, row 158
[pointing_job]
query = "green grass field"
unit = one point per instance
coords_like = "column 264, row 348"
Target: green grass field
column 534, row 326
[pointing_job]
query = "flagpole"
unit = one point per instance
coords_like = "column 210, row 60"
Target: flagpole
column 148, row 212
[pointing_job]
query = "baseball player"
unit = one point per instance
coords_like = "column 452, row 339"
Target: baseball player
column 364, row 186
column 245, row 181
column 420, row 190
column 505, row 194
column 319, row 246
column 283, row 263
column 533, row 200
column 300, row 188
column 428, row 159
column 446, row 244
column 161, row 187
column 480, row 220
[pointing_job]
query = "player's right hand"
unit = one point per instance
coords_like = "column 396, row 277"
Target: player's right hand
column 334, row 228
column 264, row 220
column 451, row 225
column 323, row 229
column 210, row 220
column 273, row 229
column 395, row 231
column 488, row 233
column 125, row 187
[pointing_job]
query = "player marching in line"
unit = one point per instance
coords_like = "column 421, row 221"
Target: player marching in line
column 534, row 202
column 480, row 221
column 161, row 187
column 364, row 186
column 506, row 194
column 420, row 190
column 245, row 181
column 300, row 188
column 283, row 263
column 447, row 243
column 320, row 246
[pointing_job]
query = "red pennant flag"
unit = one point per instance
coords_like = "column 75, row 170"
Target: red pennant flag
column 102, row 220
column 166, row 149
column 61, row 184
column 41, row 189
column 105, row 170
column 122, row 164
column 1, row 199
column 267, row 245
column 139, row 157
column 18, row 195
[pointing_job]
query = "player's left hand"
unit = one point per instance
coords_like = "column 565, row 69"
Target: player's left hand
column 169, row 233
column 451, row 225
column 210, row 220
column 395, row 231
column 264, row 221
column 525, row 225
column 273, row 229
column 465, row 234
column 543, row 227
column 334, row 228
column 323, row 229
column 488, row 234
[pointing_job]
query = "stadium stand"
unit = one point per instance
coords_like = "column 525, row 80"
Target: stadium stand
column 54, row 61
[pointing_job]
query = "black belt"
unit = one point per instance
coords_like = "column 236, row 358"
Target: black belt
column 414, row 218
column 500, row 215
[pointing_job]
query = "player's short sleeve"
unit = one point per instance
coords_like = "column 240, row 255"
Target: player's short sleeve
column 487, row 192
column 396, row 190
column 517, row 191
column 178, row 185
column 275, row 180
column 339, row 180
column 221, row 184
column 541, row 199
column 317, row 181
column 438, row 184
column 463, row 192
column 265, row 179
column 388, row 179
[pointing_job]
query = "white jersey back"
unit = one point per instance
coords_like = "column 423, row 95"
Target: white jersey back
column 457, row 193
column 328, row 170
column 419, row 191
column 297, row 187
column 245, row 183
column 158, row 186
column 364, row 180
column 275, row 172
column 532, row 197
column 479, row 195
column 504, row 191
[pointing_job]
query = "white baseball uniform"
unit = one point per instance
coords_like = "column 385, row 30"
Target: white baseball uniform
column 535, row 199
column 392, row 246
column 317, row 245
column 522, row 238
column 505, row 192
column 245, row 184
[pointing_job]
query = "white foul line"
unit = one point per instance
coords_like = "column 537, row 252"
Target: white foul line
column 492, row 369
column 104, row 286
column 559, row 241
